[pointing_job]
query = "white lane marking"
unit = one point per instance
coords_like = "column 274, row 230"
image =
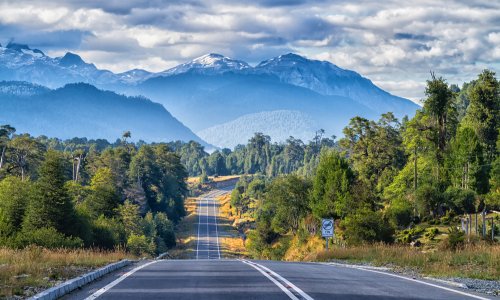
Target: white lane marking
column 298, row 290
column 115, row 282
column 199, row 222
column 276, row 282
column 208, row 232
column 414, row 280
column 216, row 230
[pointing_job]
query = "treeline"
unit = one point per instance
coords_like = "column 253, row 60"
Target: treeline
column 81, row 193
column 258, row 156
column 388, row 175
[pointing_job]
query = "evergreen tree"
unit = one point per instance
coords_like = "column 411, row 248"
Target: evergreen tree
column 14, row 197
column 331, row 193
column 51, row 204
column 483, row 113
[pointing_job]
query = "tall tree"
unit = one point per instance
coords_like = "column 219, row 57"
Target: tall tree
column 466, row 163
column 103, row 198
column 439, row 105
column 483, row 113
column 331, row 193
column 25, row 152
column 6, row 132
column 51, row 204
column 14, row 196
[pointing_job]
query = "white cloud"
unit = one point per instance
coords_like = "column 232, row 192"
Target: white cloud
column 394, row 44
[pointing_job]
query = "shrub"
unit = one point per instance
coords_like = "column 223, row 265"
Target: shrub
column 138, row 244
column 47, row 237
column 431, row 233
column 367, row 226
column 455, row 240
column 400, row 212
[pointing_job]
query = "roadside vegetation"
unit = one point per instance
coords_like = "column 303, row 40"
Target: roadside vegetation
column 475, row 260
column 391, row 186
column 24, row 272
column 77, row 194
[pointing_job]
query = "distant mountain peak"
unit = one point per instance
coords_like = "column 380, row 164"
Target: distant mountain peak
column 23, row 48
column 209, row 63
column 71, row 59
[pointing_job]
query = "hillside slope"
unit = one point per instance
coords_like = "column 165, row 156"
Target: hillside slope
column 83, row 110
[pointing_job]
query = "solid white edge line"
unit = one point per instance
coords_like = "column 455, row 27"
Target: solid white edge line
column 298, row 290
column 414, row 280
column 115, row 282
column 276, row 282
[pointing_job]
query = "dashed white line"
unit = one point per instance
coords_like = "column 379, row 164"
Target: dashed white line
column 199, row 222
column 208, row 231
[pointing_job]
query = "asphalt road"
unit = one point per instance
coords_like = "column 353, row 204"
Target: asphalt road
column 237, row 279
column 209, row 276
column 207, row 242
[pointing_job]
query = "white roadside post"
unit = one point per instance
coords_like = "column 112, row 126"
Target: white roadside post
column 327, row 229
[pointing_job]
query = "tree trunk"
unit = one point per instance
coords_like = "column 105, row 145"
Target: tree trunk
column 2, row 156
column 415, row 170
column 78, row 164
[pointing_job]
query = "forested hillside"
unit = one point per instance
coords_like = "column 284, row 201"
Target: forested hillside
column 380, row 181
column 81, row 193
column 83, row 110
column 388, row 178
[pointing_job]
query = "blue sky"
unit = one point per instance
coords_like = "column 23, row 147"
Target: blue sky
column 393, row 44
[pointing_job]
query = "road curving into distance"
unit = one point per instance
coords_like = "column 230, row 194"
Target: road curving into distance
column 209, row 276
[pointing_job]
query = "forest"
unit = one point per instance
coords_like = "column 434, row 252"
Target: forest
column 80, row 193
column 385, row 177
column 380, row 177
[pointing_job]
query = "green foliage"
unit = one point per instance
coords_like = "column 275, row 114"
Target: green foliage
column 465, row 162
column 455, row 240
column 138, row 245
column 103, row 198
column 483, row 113
column 331, row 195
column 14, row 198
column 108, row 232
column 47, row 237
column 165, row 230
column 51, row 205
column 375, row 150
column 462, row 201
column 400, row 212
column 287, row 198
column 368, row 226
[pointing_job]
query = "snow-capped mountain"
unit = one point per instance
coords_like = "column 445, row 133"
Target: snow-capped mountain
column 214, row 90
column 20, row 62
column 210, row 64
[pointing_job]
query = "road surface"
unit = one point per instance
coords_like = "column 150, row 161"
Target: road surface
column 209, row 276
column 207, row 242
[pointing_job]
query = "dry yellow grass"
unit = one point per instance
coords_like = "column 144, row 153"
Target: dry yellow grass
column 25, row 272
column 192, row 180
column 232, row 244
column 474, row 261
column 186, row 232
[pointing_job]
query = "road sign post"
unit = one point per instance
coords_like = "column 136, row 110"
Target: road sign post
column 327, row 229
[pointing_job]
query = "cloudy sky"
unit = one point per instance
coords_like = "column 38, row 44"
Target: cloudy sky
column 394, row 45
